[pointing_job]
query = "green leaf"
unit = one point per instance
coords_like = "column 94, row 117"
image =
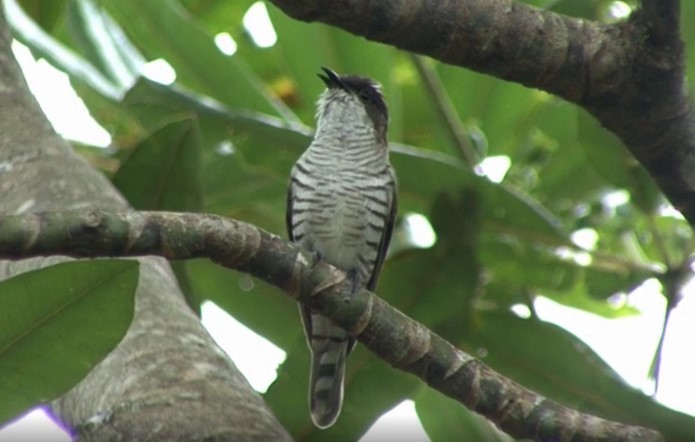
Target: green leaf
column 56, row 324
column 616, row 164
column 601, row 284
column 504, row 208
column 246, row 179
column 122, row 124
column 46, row 14
column 60, row 56
column 542, row 270
column 585, row 286
column 103, row 43
column 444, row 280
column 581, row 297
column 164, row 29
column 164, row 172
column 218, row 15
column 154, row 103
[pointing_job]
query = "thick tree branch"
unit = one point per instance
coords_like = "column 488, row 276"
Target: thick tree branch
column 629, row 75
column 401, row 341
column 662, row 19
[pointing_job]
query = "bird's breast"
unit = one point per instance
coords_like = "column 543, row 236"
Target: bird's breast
column 341, row 210
column 339, row 224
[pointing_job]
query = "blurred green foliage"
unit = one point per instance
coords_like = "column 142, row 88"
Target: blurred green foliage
column 222, row 139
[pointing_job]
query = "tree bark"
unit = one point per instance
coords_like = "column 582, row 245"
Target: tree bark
column 167, row 380
column 629, row 75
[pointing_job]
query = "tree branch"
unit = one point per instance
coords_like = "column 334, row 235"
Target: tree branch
column 446, row 110
column 662, row 19
column 629, row 75
column 401, row 341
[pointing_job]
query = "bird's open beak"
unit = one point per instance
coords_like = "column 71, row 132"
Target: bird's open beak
column 332, row 79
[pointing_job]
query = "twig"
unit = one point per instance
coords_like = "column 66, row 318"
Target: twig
column 446, row 110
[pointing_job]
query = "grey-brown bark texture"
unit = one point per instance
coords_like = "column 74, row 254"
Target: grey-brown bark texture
column 167, row 380
column 399, row 340
column 629, row 75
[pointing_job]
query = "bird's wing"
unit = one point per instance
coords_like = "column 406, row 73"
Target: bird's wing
column 288, row 214
column 305, row 311
column 385, row 239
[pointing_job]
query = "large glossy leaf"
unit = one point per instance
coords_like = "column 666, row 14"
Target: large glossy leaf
column 615, row 163
column 163, row 29
column 153, row 103
column 505, row 209
column 46, row 14
column 570, row 281
column 219, row 15
column 164, row 171
column 101, row 41
column 246, row 153
column 56, row 324
column 43, row 45
column 541, row 270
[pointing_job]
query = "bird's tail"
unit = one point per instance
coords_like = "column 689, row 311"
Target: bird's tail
column 329, row 348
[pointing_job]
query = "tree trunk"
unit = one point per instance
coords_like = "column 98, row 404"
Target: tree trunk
column 167, row 380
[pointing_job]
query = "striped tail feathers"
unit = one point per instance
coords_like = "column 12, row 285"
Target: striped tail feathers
column 330, row 346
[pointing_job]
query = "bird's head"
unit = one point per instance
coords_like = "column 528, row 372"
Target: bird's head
column 351, row 99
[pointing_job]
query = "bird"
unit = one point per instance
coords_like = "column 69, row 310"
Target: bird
column 341, row 206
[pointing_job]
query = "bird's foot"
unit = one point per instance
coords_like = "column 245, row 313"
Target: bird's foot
column 354, row 280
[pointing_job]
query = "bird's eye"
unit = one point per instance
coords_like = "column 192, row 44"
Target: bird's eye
column 364, row 96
